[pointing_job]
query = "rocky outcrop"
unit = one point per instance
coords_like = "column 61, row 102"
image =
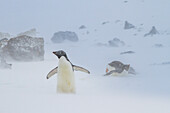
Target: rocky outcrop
column 4, row 35
column 127, row 52
column 152, row 32
column 128, row 25
column 106, row 22
column 82, row 27
column 24, row 48
column 31, row 32
column 61, row 36
column 116, row 43
column 158, row 45
column 3, row 43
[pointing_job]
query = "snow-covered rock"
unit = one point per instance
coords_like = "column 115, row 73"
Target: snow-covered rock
column 61, row 36
column 4, row 35
column 25, row 48
column 152, row 32
column 82, row 27
column 158, row 45
column 128, row 25
column 116, row 43
column 3, row 43
column 31, row 32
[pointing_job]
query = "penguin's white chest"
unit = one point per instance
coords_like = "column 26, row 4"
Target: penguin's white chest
column 65, row 81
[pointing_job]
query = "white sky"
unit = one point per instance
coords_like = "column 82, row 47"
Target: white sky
column 52, row 15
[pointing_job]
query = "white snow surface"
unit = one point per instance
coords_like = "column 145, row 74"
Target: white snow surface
column 25, row 89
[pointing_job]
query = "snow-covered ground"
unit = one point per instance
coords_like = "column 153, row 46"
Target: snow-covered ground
column 25, row 89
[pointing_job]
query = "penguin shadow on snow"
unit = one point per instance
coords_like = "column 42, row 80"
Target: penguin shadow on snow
column 65, row 71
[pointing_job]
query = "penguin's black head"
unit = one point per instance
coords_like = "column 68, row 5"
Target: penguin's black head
column 60, row 54
column 126, row 67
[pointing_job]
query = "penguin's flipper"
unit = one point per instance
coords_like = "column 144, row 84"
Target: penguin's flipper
column 52, row 72
column 78, row 68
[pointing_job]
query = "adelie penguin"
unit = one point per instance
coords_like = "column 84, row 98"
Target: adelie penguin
column 117, row 68
column 65, row 71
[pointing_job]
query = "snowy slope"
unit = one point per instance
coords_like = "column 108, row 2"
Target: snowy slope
column 25, row 89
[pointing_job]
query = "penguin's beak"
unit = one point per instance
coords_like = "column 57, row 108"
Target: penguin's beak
column 55, row 52
column 60, row 53
column 107, row 70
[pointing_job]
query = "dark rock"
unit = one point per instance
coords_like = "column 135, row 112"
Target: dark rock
column 25, row 48
column 103, row 23
column 158, row 45
column 127, row 52
column 125, row 1
column 82, row 27
column 165, row 63
column 3, row 43
column 152, row 32
column 128, row 25
column 116, row 42
column 61, row 36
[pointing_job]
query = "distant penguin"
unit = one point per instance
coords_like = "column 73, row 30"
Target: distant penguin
column 65, row 70
column 117, row 68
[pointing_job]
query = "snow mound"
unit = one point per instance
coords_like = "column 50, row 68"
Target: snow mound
column 116, row 43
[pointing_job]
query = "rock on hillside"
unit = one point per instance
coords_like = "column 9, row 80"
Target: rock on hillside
column 61, row 36
column 25, row 48
column 4, row 35
column 31, row 32
column 82, row 27
column 3, row 43
column 128, row 25
column 152, row 32
column 116, row 43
